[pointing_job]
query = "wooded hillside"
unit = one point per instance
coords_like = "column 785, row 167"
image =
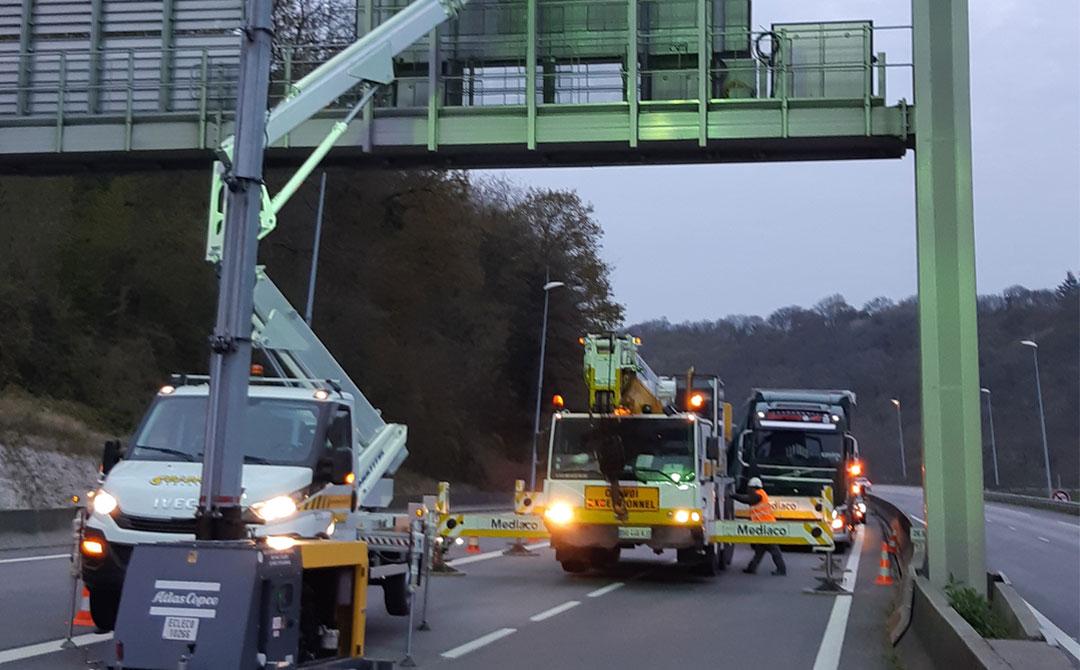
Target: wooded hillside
column 429, row 294
column 873, row 350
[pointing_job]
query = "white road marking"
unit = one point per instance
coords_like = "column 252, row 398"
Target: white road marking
column 558, row 609
column 1069, row 524
column 458, row 652
column 1012, row 527
column 41, row 648
column 832, row 642
column 1055, row 634
column 606, row 589
column 1044, row 539
column 465, row 560
column 27, row 559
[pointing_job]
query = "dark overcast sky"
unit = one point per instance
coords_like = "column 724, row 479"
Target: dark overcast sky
column 700, row 242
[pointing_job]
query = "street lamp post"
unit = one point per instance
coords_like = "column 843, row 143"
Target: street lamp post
column 993, row 441
column 900, row 431
column 548, row 286
column 1042, row 415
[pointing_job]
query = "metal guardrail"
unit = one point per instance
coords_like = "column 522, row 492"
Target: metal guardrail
column 1034, row 501
column 35, row 527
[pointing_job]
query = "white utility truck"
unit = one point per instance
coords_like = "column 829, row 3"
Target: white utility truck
column 642, row 467
column 318, row 458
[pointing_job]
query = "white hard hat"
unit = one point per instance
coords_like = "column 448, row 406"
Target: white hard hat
column 754, row 483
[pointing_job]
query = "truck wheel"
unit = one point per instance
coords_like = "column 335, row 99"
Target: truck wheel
column 574, row 566
column 396, row 594
column 709, row 562
column 104, row 605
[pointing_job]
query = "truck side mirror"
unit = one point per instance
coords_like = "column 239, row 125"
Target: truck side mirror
column 335, row 467
column 712, row 448
column 110, row 455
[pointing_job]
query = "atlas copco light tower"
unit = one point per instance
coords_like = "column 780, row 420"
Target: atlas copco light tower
column 641, row 467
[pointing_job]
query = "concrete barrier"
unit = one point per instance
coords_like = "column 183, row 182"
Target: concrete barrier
column 943, row 639
column 30, row 528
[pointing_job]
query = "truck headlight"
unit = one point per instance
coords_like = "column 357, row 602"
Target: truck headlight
column 559, row 513
column 105, row 503
column 275, row 508
column 838, row 522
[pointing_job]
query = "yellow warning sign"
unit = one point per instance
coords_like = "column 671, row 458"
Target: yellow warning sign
column 636, row 498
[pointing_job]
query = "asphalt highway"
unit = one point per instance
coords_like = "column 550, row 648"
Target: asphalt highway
column 1038, row 550
column 527, row 613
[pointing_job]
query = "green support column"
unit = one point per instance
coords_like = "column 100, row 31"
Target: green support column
column 952, row 453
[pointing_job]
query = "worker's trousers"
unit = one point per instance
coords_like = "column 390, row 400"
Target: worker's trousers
column 759, row 553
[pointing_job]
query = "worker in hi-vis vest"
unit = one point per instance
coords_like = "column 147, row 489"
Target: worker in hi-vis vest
column 761, row 512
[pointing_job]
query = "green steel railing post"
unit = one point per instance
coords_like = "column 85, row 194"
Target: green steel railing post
column 433, row 91
column 287, row 89
column 948, row 328
column 703, row 71
column 530, row 72
column 129, row 112
column 26, row 34
column 881, row 75
column 168, row 55
column 93, row 70
column 204, row 70
column 632, row 68
column 780, row 67
column 60, row 98
column 868, row 79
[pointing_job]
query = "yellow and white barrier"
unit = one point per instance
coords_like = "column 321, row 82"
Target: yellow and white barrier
column 805, row 533
column 527, row 526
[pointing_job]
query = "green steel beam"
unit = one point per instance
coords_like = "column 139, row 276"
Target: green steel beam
column 952, row 440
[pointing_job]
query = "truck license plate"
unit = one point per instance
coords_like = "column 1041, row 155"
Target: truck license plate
column 184, row 628
column 635, row 533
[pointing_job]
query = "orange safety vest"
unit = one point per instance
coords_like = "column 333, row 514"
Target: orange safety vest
column 762, row 512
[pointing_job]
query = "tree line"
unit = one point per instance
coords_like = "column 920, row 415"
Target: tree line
column 429, row 293
column 874, row 351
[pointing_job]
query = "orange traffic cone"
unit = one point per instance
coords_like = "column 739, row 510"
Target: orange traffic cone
column 82, row 617
column 884, row 577
column 893, row 549
column 473, row 546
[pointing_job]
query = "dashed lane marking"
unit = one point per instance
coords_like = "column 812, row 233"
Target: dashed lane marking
column 465, row 560
column 28, row 559
column 42, row 648
column 458, row 652
column 558, row 609
column 604, row 590
column 832, row 643
column 1044, row 539
column 1069, row 524
column 1012, row 527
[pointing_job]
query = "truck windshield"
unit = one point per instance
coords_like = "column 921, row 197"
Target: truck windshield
column 276, row 431
column 799, row 448
column 632, row 448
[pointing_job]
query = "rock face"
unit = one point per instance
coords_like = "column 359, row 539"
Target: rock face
column 34, row 476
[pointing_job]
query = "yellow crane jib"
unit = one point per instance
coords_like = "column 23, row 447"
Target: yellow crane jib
column 619, row 380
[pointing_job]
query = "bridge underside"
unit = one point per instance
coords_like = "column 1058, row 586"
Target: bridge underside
column 587, row 135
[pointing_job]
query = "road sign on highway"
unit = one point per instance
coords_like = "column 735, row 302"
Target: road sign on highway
column 1061, row 495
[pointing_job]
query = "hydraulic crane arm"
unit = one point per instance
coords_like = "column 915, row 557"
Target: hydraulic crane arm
column 278, row 329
